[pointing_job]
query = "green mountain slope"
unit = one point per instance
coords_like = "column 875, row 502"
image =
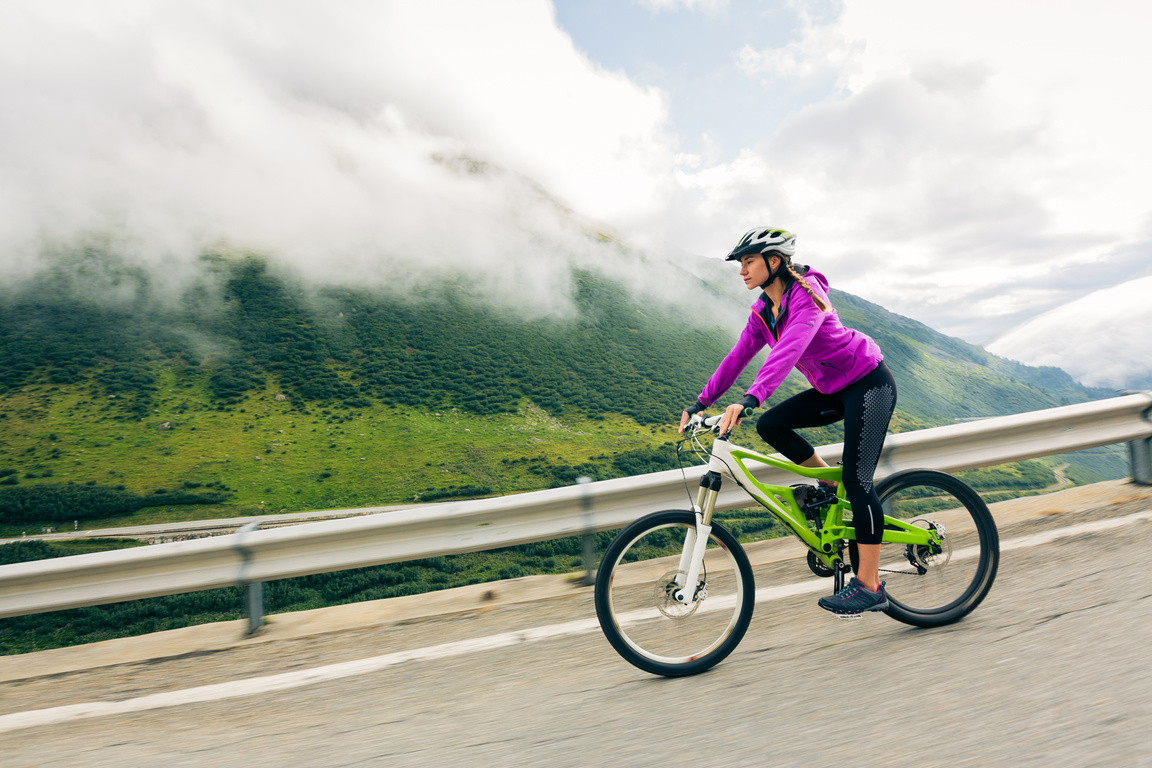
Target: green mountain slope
column 942, row 378
column 250, row 393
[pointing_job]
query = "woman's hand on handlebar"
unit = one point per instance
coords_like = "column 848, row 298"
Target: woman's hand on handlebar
column 688, row 413
column 728, row 420
column 731, row 418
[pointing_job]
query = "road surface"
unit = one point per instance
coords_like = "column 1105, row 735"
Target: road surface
column 1050, row 671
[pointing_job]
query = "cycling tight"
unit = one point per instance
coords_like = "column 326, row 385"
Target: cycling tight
column 866, row 408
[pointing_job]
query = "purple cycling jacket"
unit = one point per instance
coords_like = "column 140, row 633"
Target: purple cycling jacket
column 802, row 336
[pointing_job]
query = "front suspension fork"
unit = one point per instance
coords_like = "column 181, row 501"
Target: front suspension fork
column 696, row 540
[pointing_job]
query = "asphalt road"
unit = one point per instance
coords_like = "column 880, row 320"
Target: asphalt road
column 1051, row 670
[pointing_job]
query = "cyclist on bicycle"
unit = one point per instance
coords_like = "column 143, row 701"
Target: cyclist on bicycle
column 849, row 380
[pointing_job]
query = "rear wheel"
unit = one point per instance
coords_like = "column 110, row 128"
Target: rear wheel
column 635, row 601
column 933, row 586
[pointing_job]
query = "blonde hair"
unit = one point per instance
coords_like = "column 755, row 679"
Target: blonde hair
column 824, row 306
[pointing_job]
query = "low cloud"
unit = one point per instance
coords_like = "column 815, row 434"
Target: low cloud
column 709, row 6
column 969, row 175
column 959, row 172
column 1108, row 329
column 355, row 142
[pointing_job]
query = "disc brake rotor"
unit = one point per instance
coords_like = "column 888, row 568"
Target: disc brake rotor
column 926, row 557
column 665, row 596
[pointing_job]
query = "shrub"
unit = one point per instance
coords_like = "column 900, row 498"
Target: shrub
column 59, row 501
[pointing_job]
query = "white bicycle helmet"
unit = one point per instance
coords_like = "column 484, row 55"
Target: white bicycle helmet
column 765, row 240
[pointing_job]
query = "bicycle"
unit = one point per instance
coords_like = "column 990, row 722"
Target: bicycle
column 939, row 556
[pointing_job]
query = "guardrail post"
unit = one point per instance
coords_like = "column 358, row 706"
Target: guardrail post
column 588, row 539
column 1140, row 452
column 253, row 591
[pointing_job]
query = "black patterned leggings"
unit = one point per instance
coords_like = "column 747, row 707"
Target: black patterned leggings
column 866, row 408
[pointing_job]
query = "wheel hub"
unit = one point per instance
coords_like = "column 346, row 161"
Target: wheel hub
column 664, row 594
column 935, row 555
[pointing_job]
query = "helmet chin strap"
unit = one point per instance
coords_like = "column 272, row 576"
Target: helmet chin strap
column 771, row 275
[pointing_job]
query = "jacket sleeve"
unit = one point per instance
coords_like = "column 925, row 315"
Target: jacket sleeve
column 802, row 328
column 751, row 341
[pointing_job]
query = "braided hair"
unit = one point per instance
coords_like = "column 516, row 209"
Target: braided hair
column 790, row 267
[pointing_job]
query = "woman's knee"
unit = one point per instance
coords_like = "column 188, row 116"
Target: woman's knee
column 771, row 430
column 784, row 439
column 765, row 427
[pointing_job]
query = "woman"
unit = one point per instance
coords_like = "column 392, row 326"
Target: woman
column 849, row 381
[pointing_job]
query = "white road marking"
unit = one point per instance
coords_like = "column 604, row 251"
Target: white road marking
column 288, row 680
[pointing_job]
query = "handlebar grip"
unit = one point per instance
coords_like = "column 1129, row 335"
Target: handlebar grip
column 712, row 421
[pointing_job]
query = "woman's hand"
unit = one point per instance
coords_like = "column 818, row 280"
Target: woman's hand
column 732, row 417
column 689, row 412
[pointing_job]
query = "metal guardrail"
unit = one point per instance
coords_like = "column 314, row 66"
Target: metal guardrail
column 468, row 526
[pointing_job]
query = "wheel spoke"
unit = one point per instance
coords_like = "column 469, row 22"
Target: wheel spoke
column 937, row 584
column 635, row 588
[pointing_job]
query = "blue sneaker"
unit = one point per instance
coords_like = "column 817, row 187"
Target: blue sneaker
column 854, row 600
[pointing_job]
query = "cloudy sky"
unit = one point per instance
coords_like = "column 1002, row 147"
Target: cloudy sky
column 976, row 165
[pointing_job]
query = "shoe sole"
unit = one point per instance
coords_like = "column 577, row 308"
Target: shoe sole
column 859, row 614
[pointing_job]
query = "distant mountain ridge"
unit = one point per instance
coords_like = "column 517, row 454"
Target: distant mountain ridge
column 952, row 379
column 623, row 353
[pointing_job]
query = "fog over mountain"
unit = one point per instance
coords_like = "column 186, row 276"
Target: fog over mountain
column 160, row 130
column 964, row 185
column 1108, row 328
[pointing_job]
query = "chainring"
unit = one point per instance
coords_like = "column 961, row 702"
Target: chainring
column 818, row 567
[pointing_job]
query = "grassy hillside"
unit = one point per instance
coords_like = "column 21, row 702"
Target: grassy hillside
column 250, row 393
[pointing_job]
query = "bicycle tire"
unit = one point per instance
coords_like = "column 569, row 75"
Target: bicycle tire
column 633, row 607
column 931, row 589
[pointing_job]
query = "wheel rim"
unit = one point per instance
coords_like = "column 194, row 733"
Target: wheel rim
column 639, row 598
column 933, row 582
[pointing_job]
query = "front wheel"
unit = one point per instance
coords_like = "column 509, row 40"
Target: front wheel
column 635, row 601
column 937, row 585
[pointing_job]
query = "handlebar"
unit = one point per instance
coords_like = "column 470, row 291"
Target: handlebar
column 712, row 422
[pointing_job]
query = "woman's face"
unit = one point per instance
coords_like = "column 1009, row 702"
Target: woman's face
column 754, row 269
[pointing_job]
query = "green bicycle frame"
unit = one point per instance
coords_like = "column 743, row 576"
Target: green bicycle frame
column 732, row 461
